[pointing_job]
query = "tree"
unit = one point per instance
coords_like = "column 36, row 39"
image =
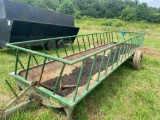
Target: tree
column 46, row 4
column 114, row 8
column 128, row 14
column 142, row 11
column 67, row 7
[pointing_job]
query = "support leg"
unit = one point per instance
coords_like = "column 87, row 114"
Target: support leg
column 69, row 111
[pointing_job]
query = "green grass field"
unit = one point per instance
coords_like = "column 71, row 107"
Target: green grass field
column 126, row 94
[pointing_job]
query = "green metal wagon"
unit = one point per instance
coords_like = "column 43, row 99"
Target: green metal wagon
column 61, row 77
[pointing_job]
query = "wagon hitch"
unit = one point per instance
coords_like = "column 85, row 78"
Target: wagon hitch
column 4, row 112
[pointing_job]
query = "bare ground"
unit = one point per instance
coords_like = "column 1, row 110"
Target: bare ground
column 151, row 51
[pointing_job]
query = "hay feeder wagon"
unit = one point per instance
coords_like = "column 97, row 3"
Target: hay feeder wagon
column 60, row 78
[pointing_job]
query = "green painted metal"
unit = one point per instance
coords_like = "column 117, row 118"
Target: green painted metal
column 115, row 54
column 78, row 45
column 93, row 40
column 117, row 37
column 105, row 40
column 100, row 68
column 16, row 63
column 64, row 47
column 42, row 70
column 18, row 58
column 123, row 51
column 78, row 81
column 88, row 41
column 29, row 60
column 71, row 45
column 58, row 80
column 21, row 106
column 91, row 71
column 33, row 54
column 84, row 42
column 108, row 61
column 101, row 39
column 119, row 52
column 55, row 49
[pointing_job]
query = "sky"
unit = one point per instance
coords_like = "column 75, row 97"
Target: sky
column 151, row 3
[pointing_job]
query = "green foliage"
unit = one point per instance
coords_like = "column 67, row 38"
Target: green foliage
column 46, row 4
column 128, row 14
column 67, row 7
column 142, row 11
column 128, row 10
column 114, row 8
column 108, row 22
column 118, row 24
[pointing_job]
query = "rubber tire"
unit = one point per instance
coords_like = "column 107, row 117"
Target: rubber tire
column 49, row 45
column 137, row 60
column 59, row 44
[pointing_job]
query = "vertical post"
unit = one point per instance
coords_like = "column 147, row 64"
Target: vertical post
column 123, row 50
column 88, row 41
column 126, row 50
column 117, row 37
column 78, row 82
column 64, row 47
column 100, row 68
column 59, row 77
column 93, row 40
column 133, row 44
column 107, row 37
column 115, row 55
column 43, row 48
column 97, row 39
column 101, row 38
column 16, row 65
column 29, row 59
column 78, row 45
column 104, row 38
column 84, row 43
column 55, row 48
column 71, row 45
column 129, row 46
column 119, row 54
column 18, row 59
column 33, row 55
column 40, row 78
column 112, row 36
column 108, row 61
column 91, row 71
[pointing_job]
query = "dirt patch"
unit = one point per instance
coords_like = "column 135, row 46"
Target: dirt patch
column 4, row 98
column 71, row 79
column 151, row 51
column 71, row 72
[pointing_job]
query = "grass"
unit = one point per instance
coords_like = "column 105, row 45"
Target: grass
column 125, row 95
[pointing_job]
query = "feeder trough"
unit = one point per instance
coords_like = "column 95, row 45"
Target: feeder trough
column 60, row 78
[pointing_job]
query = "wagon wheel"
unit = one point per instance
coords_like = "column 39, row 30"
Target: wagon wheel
column 50, row 45
column 59, row 44
column 137, row 60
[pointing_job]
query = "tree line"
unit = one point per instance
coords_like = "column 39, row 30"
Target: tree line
column 128, row 10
